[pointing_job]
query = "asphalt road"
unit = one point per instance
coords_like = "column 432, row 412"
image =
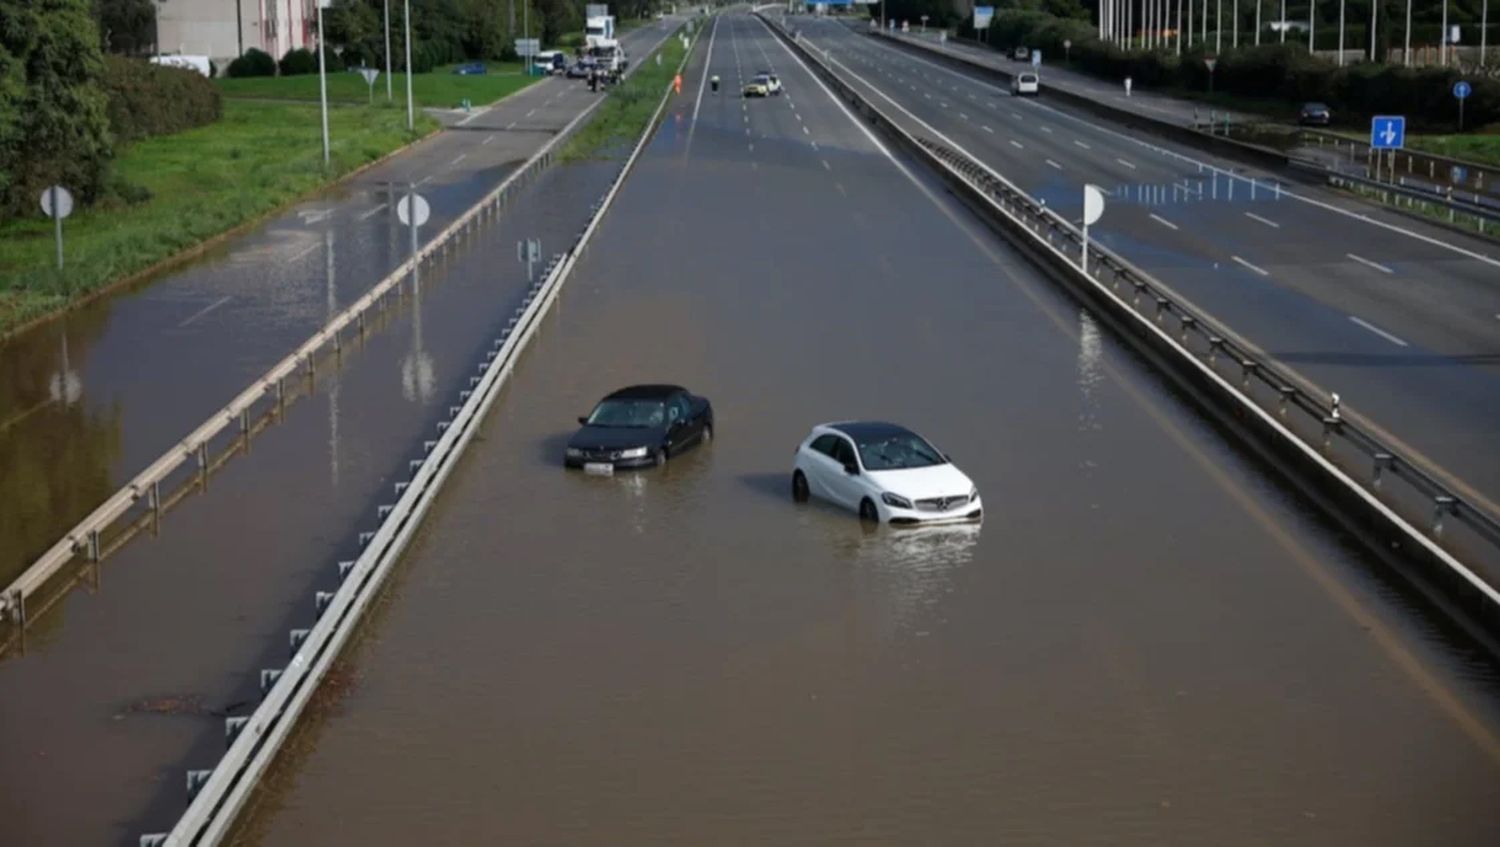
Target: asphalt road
column 1401, row 319
column 1147, row 641
column 135, row 372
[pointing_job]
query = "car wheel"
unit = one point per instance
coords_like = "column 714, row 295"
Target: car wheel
column 867, row 511
column 708, row 433
column 799, row 487
column 661, row 456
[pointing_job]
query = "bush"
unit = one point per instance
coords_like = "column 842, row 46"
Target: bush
column 146, row 99
column 253, row 63
column 298, row 61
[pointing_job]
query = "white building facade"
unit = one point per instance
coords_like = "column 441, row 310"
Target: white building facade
column 221, row 29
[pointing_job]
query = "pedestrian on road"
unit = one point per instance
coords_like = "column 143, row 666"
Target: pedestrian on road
column 677, row 83
column 1127, row 86
column 714, row 82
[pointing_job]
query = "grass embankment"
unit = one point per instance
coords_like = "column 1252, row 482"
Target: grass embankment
column 202, row 182
column 628, row 105
column 441, row 89
column 1482, row 148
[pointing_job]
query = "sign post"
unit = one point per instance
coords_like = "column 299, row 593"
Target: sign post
column 370, row 75
column 1093, row 209
column 1067, row 49
column 57, row 203
column 1461, row 90
column 1210, row 62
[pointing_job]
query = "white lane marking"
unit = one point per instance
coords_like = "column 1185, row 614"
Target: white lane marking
column 364, row 216
column 1016, row 144
column 1017, row 116
column 301, row 254
column 928, row 96
column 1367, row 263
column 1261, row 271
column 488, row 139
column 1185, row 158
column 805, row 132
column 1163, row 221
column 530, row 113
column 1378, row 331
column 707, row 64
column 962, row 115
column 206, row 309
column 1267, row 221
column 1125, row 163
column 1054, row 164
column 423, row 181
column 1081, row 144
column 459, row 158
column 511, row 124
column 840, row 187
column 1047, row 129
column 814, row 145
column 826, row 166
column 987, row 129
column 752, row 147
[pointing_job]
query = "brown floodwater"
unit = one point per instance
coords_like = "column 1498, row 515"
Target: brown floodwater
column 1147, row 641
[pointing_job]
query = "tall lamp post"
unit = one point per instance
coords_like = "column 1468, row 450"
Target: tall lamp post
column 389, row 93
column 323, row 79
column 411, row 117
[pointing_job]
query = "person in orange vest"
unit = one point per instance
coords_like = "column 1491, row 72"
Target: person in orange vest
column 677, row 83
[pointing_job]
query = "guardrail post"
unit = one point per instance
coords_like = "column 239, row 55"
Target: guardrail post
column 1135, row 299
column 1330, row 425
column 1161, row 306
column 93, row 545
column 154, row 839
column 295, row 639
column 1247, row 368
column 268, row 677
column 280, row 391
column 232, row 727
column 345, row 567
column 1382, row 461
column 245, row 421
column 1287, row 393
column 1214, row 344
column 1442, row 505
column 1188, row 321
column 321, row 599
column 195, row 781
column 17, row 604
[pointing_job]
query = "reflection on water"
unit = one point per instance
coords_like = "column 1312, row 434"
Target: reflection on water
column 60, row 469
column 912, row 568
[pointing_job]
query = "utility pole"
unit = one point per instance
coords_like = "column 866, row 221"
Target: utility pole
column 1312, row 6
column 323, row 80
column 1258, row 4
column 1235, row 22
column 1484, row 24
column 239, row 27
column 1219, row 27
column 1341, row 32
column 1374, row 12
column 411, row 117
column 389, row 92
column 1443, row 41
column 1283, row 21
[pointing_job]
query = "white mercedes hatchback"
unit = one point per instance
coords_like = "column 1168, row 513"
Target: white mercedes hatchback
column 885, row 473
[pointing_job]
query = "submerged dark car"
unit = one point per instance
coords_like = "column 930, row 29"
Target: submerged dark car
column 639, row 426
column 1314, row 114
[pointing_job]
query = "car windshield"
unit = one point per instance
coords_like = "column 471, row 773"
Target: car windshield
column 1316, row 107
column 1028, row 77
column 628, row 413
column 762, row 80
column 895, row 452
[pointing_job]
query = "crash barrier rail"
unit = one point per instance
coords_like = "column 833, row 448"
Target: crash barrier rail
column 1372, row 485
column 216, row 796
column 1478, row 178
column 1242, row 151
column 86, row 537
column 1486, row 219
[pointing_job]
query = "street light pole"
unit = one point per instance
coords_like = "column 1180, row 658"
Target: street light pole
column 1219, row 27
column 1341, row 32
column 1235, row 22
column 1258, row 4
column 1484, row 25
column 1283, row 21
column 1312, row 6
column 389, row 95
column 411, row 117
column 1374, row 13
column 1443, row 41
column 323, row 80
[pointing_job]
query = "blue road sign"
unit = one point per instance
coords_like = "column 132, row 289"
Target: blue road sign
column 1458, row 174
column 1388, row 132
column 1462, row 89
column 1036, row 58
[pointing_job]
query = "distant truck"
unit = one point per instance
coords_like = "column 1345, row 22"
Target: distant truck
column 598, row 26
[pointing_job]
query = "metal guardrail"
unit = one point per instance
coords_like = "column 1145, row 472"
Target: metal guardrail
column 86, row 536
column 1213, row 142
column 218, row 795
column 1424, row 517
column 1485, row 218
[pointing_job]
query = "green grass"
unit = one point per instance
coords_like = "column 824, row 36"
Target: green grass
column 629, row 105
column 205, row 181
column 441, row 89
column 1482, row 148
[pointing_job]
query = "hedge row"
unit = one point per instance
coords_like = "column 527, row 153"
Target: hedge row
column 1424, row 95
column 146, row 99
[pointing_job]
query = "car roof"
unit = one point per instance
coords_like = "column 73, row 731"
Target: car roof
column 645, row 392
column 861, row 430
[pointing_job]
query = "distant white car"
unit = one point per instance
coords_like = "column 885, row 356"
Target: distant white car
column 200, row 64
column 884, row 472
column 1025, row 82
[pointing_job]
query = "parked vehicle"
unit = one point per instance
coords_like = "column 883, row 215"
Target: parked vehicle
column 639, row 426
column 1021, row 54
column 762, row 85
column 884, row 472
column 580, row 69
column 470, row 69
column 1314, row 114
column 1024, row 83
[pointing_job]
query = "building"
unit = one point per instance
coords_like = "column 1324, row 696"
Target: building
column 223, row 29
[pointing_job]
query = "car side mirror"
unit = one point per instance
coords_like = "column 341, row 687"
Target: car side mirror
column 851, row 469
column 583, row 419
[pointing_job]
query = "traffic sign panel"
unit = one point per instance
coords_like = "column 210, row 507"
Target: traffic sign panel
column 64, row 202
column 1388, row 132
column 1462, row 89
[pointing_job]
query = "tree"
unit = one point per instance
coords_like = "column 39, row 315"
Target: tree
column 54, row 124
column 126, row 26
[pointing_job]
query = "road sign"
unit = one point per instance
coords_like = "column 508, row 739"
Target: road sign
column 1458, row 174
column 1067, row 49
column 406, row 203
column 528, row 46
column 1209, row 62
column 59, row 198
column 57, row 203
column 1388, row 132
column 1093, row 209
column 982, row 16
column 1036, row 58
column 1462, row 89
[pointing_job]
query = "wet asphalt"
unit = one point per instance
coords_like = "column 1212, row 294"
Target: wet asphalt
column 1400, row 318
column 1148, row 640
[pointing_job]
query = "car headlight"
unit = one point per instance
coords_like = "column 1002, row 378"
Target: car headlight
column 575, row 453
column 973, row 494
column 634, row 453
column 895, row 500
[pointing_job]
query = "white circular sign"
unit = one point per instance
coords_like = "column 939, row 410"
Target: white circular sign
column 413, row 201
column 1093, row 204
column 64, row 202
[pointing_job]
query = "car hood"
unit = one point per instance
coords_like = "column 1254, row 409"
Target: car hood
column 615, row 437
column 920, row 483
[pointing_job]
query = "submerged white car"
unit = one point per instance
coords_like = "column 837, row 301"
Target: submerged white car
column 885, row 473
column 1025, row 82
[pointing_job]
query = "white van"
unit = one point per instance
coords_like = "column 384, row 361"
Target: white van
column 1025, row 82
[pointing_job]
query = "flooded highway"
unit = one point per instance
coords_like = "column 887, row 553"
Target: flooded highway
column 1148, row 640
